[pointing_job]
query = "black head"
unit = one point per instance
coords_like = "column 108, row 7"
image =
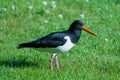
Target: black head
column 76, row 25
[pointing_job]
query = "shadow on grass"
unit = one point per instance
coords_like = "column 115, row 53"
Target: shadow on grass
column 18, row 63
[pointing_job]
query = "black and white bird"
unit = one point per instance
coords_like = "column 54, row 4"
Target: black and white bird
column 57, row 42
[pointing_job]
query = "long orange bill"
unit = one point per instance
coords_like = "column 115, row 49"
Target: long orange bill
column 89, row 31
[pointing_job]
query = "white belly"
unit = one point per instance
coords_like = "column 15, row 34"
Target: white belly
column 67, row 46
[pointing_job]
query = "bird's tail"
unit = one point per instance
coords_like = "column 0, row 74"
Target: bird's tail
column 26, row 45
column 23, row 45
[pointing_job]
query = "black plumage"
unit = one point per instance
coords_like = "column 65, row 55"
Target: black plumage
column 57, row 38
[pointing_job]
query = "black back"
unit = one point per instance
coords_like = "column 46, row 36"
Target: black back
column 57, row 38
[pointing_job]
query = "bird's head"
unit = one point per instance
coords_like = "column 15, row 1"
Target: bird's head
column 78, row 25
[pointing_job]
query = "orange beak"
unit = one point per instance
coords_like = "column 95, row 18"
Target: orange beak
column 89, row 31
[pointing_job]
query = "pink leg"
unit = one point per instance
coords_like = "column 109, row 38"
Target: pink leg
column 56, row 61
column 51, row 67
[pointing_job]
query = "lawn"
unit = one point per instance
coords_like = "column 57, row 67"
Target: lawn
column 93, row 58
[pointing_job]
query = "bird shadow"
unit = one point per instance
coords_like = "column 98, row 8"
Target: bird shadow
column 18, row 63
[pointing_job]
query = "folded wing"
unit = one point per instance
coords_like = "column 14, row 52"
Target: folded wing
column 50, row 41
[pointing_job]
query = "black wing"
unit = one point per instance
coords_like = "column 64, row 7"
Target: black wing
column 51, row 40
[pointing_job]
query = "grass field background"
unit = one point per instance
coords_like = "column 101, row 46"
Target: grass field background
column 93, row 58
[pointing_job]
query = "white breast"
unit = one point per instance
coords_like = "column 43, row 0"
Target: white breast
column 68, row 45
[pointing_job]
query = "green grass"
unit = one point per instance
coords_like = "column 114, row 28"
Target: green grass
column 93, row 58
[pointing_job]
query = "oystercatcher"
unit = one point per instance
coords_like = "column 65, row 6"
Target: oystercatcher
column 58, row 41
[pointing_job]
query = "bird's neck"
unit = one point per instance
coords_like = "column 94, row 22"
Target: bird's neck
column 75, row 35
